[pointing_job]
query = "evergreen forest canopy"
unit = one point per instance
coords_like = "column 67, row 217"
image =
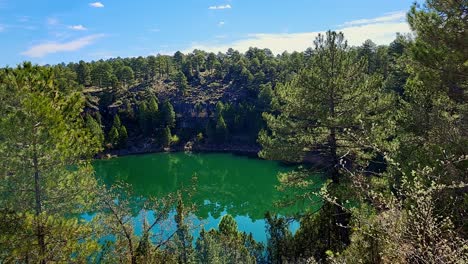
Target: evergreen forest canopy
column 387, row 123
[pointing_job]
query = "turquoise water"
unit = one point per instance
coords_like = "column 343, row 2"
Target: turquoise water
column 226, row 184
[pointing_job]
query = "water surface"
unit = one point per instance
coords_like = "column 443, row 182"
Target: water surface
column 226, row 184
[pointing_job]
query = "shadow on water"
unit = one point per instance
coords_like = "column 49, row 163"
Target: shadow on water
column 244, row 187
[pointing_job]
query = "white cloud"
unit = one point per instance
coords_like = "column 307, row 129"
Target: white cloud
column 220, row 7
column 381, row 30
column 390, row 17
column 155, row 30
column 2, row 28
column 41, row 50
column 97, row 4
column 221, row 23
column 78, row 27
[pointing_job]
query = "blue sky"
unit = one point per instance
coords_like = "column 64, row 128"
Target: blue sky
column 55, row 31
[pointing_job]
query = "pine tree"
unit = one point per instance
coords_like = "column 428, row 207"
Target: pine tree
column 101, row 75
column 95, row 129
column 227, row 245
column 210, row 62
column 123, row 136
column 42, row 136
column 83, row 73
column 280, row 239
column 113, row 137
column 436, row 90
column 221, row 130
column 168, row 117
column 183, row 239
column 228, row 226
column 181, row 82
column 118, row 134
column 320, row 107
column 117, row 122
column 207, row 247
column 433, row 124
column 219, row 108
column 153, row 115
column 368, row 51
column 166, row 137
column 265, row 97
column 144, row 119
column 125, row 76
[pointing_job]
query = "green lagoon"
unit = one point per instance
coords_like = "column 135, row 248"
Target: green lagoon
column 226, row 184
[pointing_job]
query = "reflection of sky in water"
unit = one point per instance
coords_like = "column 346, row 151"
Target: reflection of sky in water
column 244, row 223
column 241, row 186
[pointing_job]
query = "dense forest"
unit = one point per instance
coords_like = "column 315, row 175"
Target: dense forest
column 386, row 124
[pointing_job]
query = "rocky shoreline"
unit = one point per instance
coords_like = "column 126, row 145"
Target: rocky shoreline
column 147, row 148
column 313, row 158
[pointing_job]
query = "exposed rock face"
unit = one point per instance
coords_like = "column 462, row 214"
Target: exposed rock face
column 193, row 109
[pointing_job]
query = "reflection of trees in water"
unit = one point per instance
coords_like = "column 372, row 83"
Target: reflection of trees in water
column 238, row 185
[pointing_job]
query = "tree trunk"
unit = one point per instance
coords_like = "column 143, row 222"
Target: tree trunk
column 332, row 136
column 332, row 142
column 329, row 238
column 334, row 157
column 38, row 208
column 132, row 252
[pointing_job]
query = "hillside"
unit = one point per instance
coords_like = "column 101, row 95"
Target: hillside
column 217, row 100
column 388, row 123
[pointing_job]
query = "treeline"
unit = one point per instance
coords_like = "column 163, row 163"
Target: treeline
column 130, row 87
column 221, row 95
column 389, row 122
